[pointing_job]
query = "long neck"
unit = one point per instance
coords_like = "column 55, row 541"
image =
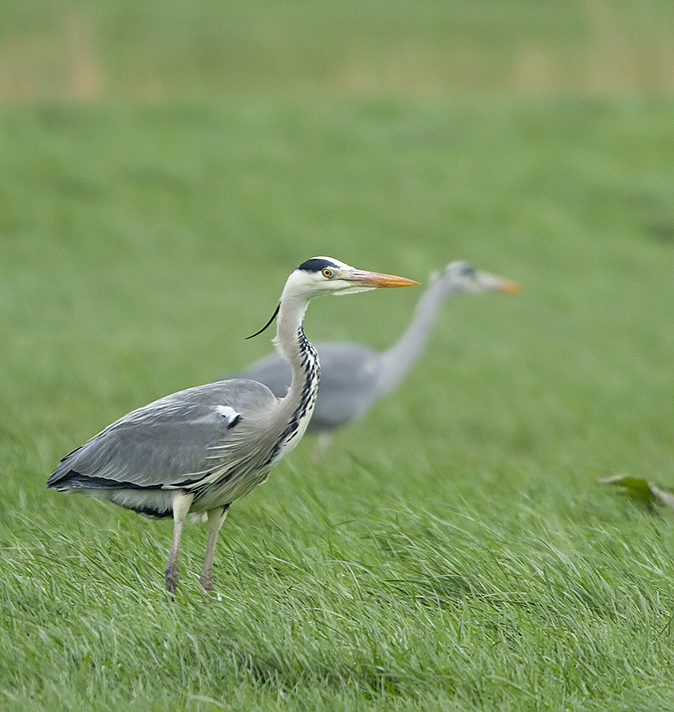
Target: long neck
column 296, row 408
column 397, row 360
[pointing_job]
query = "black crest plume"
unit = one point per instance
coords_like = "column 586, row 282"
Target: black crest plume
column 268, row 324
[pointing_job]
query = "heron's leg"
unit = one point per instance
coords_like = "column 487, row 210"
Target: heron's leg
column 216, row 517
column 181, row 506
column 322, row 443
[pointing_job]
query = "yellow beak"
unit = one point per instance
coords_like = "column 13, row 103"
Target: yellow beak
column 376, row 279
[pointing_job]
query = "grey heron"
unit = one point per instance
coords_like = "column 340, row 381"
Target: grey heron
column 354, row 376
column 198, row 450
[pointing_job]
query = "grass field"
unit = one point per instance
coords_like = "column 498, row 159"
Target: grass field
column 88, row 50
column 453, row 551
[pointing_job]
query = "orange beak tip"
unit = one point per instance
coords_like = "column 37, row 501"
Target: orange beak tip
column 389, row 280
column 510, row 287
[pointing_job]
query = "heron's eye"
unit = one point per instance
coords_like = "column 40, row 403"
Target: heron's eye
column 327, row 273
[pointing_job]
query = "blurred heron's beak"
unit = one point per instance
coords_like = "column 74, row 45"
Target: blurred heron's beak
column 505, row 285
column 370, row 280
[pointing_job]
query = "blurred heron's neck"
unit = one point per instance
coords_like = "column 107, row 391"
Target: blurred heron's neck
column 397, row 360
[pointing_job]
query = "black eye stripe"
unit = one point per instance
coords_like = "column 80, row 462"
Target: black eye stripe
column 317, row 264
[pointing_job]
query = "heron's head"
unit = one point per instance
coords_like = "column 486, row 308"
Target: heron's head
column 463, row 277
column 325, row 275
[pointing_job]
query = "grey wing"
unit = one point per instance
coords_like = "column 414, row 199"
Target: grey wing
column 166, row 443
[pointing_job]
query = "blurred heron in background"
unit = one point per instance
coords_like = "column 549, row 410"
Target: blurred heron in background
column 200, row 449
column 354, row 376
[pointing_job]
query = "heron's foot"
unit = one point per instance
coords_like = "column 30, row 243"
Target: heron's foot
column 206, row 582
column 171, row 576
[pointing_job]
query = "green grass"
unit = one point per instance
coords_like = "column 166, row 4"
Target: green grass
column 92, row 49
column 453, row 551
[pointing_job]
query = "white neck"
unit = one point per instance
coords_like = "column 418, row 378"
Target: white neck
column 296, row 408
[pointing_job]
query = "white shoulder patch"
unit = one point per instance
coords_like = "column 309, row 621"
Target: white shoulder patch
column 229, row 414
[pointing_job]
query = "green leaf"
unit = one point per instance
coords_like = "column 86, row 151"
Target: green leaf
column 640, row 489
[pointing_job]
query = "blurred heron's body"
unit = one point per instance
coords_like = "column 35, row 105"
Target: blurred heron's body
column 354, row 376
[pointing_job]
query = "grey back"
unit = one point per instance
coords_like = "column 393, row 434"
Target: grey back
column 167, row 443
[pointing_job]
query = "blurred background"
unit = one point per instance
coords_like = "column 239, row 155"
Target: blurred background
column 164, row 165
column 91, row 50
